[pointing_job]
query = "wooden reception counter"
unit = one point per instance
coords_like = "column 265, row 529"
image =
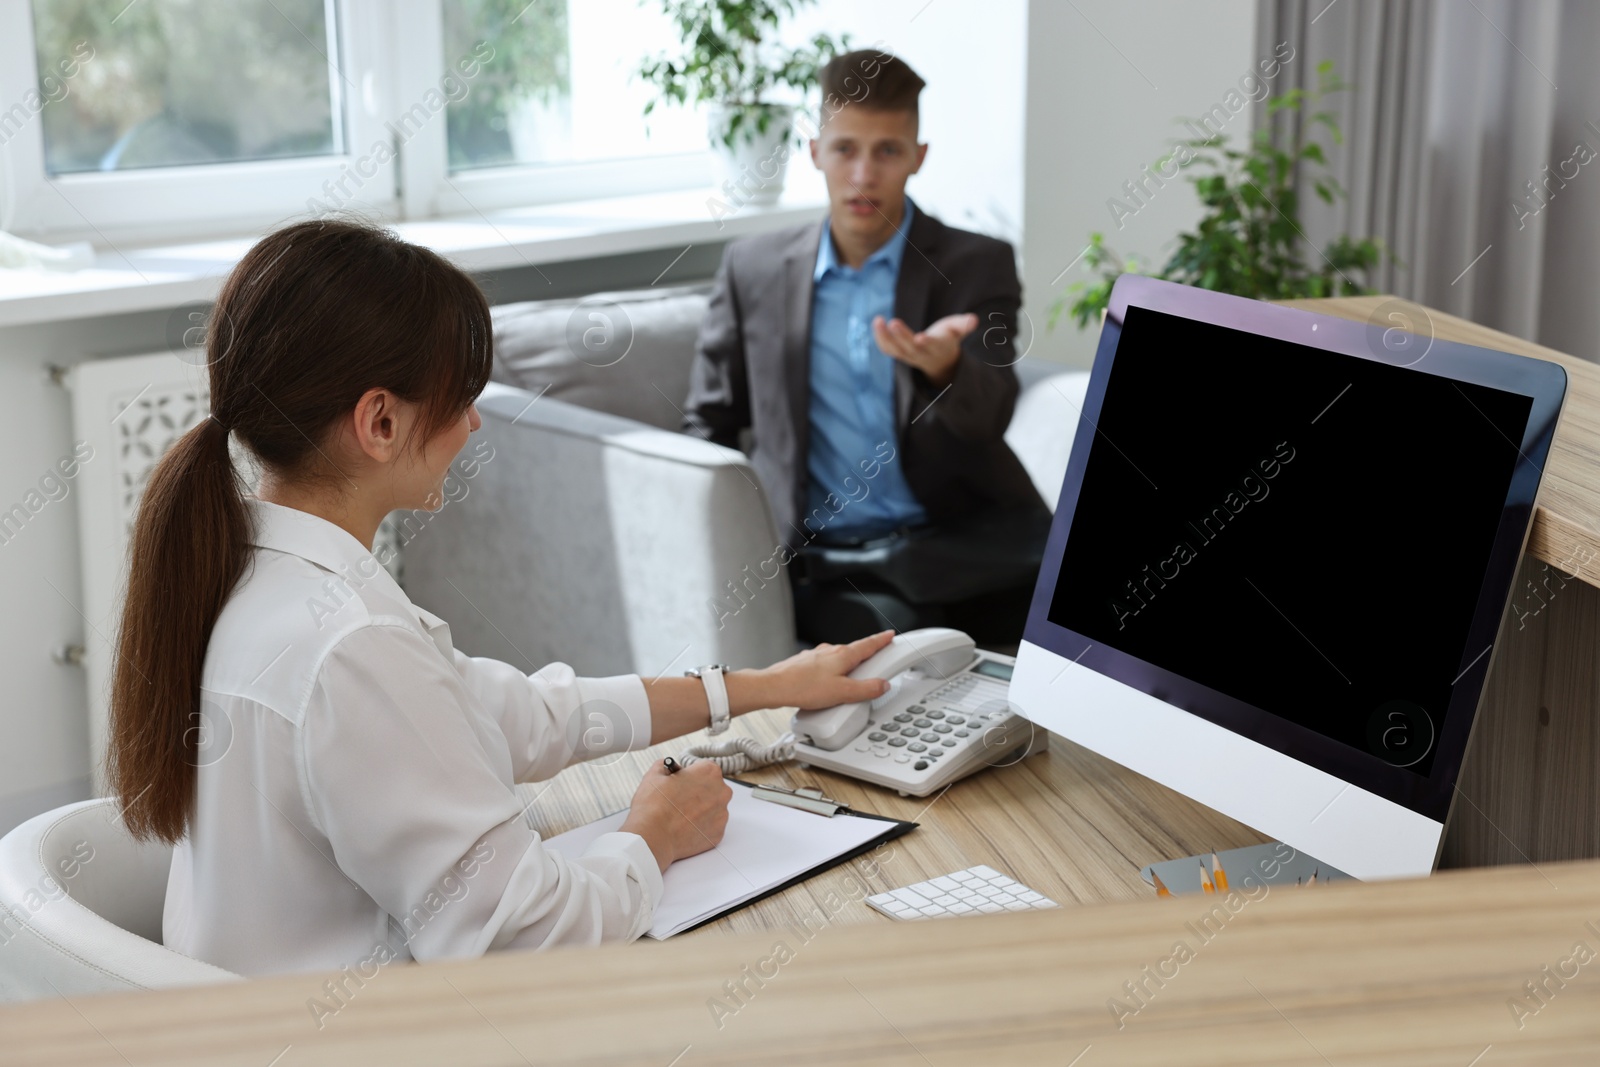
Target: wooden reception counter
column 1464, row 969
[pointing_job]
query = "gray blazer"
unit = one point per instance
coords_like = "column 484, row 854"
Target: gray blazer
column 752, row 369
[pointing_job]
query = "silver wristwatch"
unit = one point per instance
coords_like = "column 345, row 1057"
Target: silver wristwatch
column 716, row 694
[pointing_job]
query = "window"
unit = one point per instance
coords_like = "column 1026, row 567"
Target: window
column 164, row 83
column 560, row 87
column 156, row 120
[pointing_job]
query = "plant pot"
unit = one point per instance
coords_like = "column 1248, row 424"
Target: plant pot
column 751, row 168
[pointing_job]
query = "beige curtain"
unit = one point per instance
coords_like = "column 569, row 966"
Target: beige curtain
column 1472, row 149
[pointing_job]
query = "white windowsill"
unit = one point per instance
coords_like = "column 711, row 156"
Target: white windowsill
column 163, row 277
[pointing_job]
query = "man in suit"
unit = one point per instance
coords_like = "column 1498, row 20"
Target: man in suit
column 869, row 356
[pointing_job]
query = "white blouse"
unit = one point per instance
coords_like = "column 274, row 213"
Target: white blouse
column 354, row 798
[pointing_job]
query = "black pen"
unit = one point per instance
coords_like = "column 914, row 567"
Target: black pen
column 671, row 765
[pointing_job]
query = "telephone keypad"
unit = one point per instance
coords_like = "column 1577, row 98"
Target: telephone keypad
column 943, row 722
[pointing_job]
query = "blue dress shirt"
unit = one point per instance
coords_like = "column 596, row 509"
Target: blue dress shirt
column 852, row 399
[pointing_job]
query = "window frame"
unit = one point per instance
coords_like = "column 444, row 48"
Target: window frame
column 191, row 200
column 390, row 56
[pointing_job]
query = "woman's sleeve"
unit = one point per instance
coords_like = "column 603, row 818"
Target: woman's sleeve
column 397, row 775
column 553, row 719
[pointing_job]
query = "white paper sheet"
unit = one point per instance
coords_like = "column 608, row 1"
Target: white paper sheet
column 765, row 846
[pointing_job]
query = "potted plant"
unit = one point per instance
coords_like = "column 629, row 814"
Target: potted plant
column 1249, row 241
column 732, row 61
column 517, row 108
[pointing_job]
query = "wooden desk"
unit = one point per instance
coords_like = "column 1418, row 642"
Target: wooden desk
column 1420, row 972
column 1067, row 822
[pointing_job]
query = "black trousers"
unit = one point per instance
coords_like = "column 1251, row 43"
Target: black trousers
column 975, row 574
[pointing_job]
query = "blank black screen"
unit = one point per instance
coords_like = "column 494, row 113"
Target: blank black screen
column 1303, row 531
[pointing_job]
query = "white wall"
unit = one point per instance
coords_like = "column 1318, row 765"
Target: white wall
column 44, row 728
column 1105, row 80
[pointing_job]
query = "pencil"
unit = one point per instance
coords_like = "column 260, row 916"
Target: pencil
column 1161, row 887
column 1205, row 879
column 1219, row 875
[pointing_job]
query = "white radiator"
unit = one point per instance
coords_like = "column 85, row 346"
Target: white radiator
column 130, row 410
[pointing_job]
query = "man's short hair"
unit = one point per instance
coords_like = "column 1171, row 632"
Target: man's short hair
column 870, row 79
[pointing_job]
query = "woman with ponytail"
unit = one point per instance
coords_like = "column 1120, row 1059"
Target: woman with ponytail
column 338, row 785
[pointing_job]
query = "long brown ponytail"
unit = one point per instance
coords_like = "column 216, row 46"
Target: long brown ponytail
column 314, row 316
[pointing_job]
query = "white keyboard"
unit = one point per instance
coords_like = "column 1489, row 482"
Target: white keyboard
column 974, row 891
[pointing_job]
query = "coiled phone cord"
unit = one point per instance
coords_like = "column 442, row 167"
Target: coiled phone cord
column 740, row 754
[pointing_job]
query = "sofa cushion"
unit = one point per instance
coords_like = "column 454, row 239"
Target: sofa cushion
column 627, row 353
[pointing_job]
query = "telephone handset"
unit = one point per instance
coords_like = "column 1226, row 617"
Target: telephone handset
column 944, row 716
column 938, row 651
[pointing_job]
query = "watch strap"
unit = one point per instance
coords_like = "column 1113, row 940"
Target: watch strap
column 716, row 696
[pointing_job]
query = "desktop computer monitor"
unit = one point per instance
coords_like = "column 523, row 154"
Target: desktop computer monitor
column 1281, row 554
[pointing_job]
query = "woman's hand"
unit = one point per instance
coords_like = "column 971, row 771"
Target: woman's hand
column 679, row 815
column 818, row 677
column 815, row 678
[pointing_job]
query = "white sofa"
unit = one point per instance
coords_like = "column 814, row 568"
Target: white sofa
column 615, row 543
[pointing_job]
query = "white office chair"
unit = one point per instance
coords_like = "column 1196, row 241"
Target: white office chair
column 80, row 909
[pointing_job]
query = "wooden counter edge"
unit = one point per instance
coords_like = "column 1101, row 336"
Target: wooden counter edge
column 1433, row 961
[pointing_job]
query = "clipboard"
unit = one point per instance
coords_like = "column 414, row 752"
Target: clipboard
column 766, row 849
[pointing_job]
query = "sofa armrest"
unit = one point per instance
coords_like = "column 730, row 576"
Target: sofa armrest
column 604, row 543
column 1043, row 426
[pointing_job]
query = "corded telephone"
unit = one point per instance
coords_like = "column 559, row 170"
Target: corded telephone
column 944, row 717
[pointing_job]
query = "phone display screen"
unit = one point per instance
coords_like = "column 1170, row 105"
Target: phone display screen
column 994, row 669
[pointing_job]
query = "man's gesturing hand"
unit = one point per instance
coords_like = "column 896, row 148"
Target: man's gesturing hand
column 934, row 351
